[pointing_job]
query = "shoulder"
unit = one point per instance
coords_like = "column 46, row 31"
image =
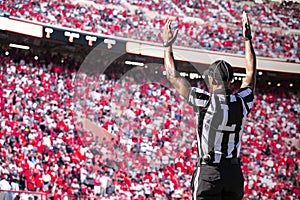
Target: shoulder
column 244, row 92
column 198, row 97
column 247, row 97
column 199, row 91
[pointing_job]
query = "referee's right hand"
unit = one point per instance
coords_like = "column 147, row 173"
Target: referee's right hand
column 168, row 37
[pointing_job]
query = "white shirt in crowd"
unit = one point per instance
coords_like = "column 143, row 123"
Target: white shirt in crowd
column 4, row 185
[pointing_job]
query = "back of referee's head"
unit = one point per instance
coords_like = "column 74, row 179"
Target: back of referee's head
column 220, row 71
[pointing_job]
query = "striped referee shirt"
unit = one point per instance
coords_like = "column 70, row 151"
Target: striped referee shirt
column 221, row 117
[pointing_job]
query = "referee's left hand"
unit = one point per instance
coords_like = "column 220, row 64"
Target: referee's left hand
column 168, row 37
column 246, row 26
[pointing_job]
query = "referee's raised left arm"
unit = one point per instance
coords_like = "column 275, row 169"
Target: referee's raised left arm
column 180, row 84
column 250, row 58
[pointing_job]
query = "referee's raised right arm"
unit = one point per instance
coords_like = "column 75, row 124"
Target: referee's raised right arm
column 181, row 85
column 250, row 58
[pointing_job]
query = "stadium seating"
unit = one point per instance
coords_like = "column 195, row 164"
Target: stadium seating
column 289, row 15
column 213, row 25
column 43, row 147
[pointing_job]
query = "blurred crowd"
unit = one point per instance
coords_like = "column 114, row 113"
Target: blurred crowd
column 44, row 147
column 213, row 25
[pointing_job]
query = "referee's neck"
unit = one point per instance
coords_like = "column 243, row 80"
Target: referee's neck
column 217, row 87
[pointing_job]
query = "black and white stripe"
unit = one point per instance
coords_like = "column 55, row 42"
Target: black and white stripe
column 221, row 117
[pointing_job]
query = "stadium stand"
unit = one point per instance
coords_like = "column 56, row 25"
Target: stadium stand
column 44, row 148
column 212, row 25
column 288, row 15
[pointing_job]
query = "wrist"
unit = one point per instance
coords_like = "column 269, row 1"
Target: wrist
column 168, row 48
column 248, row 38
column 167, row 44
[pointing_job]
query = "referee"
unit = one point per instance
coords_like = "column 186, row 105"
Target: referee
column 221, row 116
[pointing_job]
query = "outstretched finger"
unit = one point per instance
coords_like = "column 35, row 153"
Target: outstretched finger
column 247, row 18
column 175, row 33
column 244, row 17
column 167, row 23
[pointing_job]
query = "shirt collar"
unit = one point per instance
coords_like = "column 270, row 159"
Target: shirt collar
column 221, row 91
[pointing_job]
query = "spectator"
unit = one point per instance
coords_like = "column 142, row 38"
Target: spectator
column 98, row 190
column 4, row 184
column 156, row 161
column 146, row 24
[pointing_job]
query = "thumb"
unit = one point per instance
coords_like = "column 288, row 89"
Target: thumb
column 174, row 36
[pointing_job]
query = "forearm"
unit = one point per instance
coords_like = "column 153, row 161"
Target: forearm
column 170, row 64
column 250, row 58
column 250, row 62
column 180, row 84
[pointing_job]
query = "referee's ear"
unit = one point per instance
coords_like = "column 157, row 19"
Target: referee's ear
column 215, row 82
column 223, row 84
column 218, row 82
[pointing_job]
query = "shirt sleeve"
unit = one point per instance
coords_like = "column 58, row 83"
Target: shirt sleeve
column 198, row 97
column 246, row 94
